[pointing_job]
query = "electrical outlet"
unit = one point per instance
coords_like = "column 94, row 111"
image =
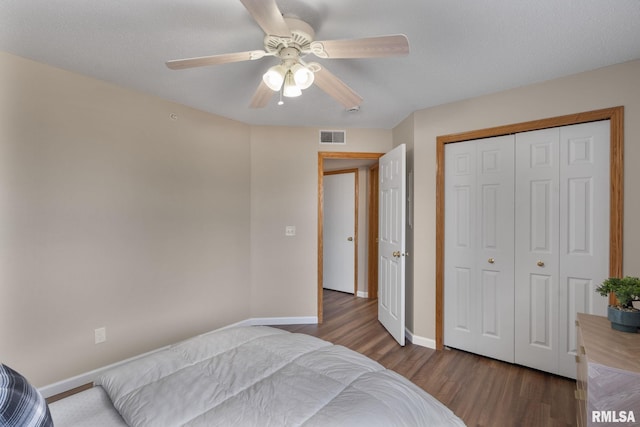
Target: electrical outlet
column 100, row 335
column 290, row 230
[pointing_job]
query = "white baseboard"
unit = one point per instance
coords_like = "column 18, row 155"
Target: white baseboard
column 266, row 321
column 363, row 294
column 421, row 341
column 87, row 377
column 91, row 376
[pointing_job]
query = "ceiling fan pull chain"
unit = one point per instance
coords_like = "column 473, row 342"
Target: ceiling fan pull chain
column 281, row 101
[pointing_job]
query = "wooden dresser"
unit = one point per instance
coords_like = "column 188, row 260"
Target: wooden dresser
column 608, row 376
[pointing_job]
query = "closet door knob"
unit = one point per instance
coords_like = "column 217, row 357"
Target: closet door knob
column 491, row 260
column 350, row 239
column 540, row 264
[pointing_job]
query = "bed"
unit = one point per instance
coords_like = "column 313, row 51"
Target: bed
column 252, row 376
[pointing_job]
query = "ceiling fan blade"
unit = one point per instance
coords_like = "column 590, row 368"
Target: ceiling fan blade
column 370, row 47
column 268, row 17
column 261, row 96
column 180, row 64
column 337, row 89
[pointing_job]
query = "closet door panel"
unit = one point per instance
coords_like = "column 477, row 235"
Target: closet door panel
column 540, row 225
column 462, row 292
column 461, row 328
column 495, row 254
column 527, row 241
column 584, row 219
column 479, row 247
column 536, row 249
column 540, row 303
column 489, row 290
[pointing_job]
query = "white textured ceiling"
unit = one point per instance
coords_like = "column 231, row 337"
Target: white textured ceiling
column 459, row 49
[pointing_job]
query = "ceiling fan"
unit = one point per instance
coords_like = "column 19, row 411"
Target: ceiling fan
column 291, row 39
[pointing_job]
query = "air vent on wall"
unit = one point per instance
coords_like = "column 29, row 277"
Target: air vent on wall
column 333, row 137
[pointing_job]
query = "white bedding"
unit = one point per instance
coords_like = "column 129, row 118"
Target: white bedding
column 266, row 377
column 90, row 408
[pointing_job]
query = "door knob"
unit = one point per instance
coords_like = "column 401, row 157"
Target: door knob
column 396, row 254
column 350, row 239
column 491, row 260
column 540, row 264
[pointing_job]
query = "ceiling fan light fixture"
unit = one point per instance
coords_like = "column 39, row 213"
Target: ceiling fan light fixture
column 274, row 77
column 291, row 89
column 302, row 75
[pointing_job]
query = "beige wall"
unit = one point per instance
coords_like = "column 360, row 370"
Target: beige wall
column 284, row 191
column 606, row 87
column 114, row 215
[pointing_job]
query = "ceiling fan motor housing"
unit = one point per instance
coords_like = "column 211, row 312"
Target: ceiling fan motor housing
column 301, row 37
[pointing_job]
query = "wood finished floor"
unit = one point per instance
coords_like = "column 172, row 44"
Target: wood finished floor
column 481, row 391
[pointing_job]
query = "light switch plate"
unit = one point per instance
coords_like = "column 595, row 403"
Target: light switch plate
column 100, row 335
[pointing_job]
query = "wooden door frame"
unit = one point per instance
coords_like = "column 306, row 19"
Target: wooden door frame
column 616, row 204
column 331, row 155
column 373, row 214
column 356, row 192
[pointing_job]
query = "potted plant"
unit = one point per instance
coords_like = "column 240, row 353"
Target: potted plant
column 623, row 316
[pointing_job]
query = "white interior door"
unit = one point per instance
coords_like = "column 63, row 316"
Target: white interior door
column 562, row 239
column 479, row 226
column 537, row 248
column 495, row 186
column 584, row 230
column 460, row 314
column 338, row 250
column 391, row 246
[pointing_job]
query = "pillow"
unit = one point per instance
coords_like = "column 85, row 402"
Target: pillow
column 20, row 403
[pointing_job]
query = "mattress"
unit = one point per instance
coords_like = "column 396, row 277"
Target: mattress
column 88, row 408
column 255, row 376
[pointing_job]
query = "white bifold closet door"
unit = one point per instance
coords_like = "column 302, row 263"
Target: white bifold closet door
column 479, row 251
column 526, row 242
column 561, row 239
